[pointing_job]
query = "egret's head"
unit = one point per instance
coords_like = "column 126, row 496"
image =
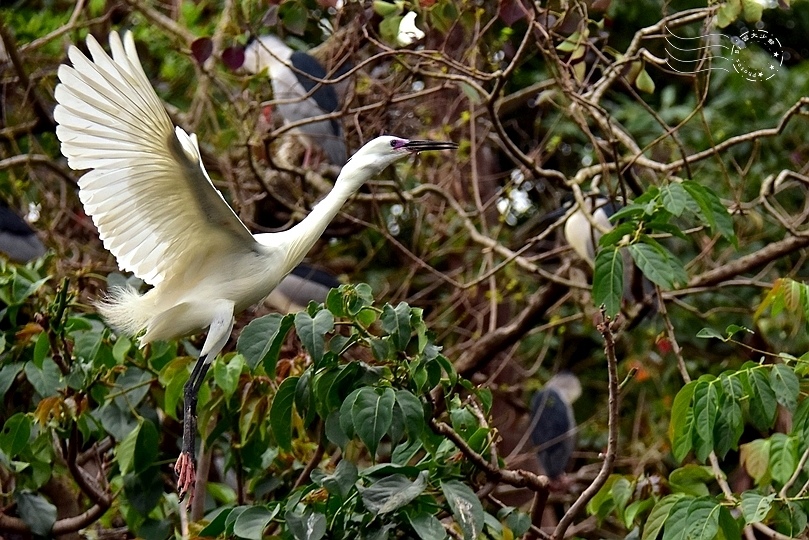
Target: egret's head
column 383, row 151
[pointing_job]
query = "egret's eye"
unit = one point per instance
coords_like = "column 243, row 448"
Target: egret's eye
column 397, row 144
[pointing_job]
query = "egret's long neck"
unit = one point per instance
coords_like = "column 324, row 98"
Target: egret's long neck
column 298, row 240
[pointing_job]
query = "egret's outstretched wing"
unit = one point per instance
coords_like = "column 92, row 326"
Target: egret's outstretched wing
column 148, row 193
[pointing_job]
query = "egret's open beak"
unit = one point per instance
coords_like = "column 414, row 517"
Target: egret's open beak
column 421, row 146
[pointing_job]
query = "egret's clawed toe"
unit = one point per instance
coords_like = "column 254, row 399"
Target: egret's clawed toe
column 186, row 476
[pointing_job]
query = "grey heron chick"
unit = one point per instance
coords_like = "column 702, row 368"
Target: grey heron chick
column 295, row 78
column 303, row 285
column 18, row 241
column 554, row 426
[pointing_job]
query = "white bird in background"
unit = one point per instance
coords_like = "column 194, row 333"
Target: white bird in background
column 157, row 211
column 295, row 80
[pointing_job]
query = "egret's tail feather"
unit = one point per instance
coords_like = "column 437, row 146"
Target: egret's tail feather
column 124, row 309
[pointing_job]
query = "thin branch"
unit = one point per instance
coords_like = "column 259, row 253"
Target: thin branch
column 517, row 478
column 606, row 330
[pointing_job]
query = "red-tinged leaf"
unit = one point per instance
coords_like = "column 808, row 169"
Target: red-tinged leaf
column 233, row 57
column 755, row 458
column 511, row 11
column 202, row 49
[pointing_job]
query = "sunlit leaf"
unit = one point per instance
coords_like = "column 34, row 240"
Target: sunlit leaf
column 251, row 523
column 755, row 506
column 392, row 492
column 465, row 506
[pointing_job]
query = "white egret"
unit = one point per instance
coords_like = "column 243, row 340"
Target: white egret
column 157, row 211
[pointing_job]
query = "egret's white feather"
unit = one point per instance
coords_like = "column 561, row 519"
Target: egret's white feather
column 111, row 120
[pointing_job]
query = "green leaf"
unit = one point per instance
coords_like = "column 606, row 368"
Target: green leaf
column 729, row 425
column 36, row 512
column 755, row 506
column 121, row 348
column 146, row 446
column 791, row 519
column 691, row 480
column 251, row 523
column 131, row 387
column 231, row 518
column 659, row 515
column 713, row 211
column 762, row 402
column 677, row 521
column 15, row 434
column 413, row 412
column 786, row 386
column 465, row 506
column 294, row 15
column 312, row 331
column 783, row 457
column 621, row 492
column 706, row 408
column 173, row 377
column 392, row 492
column 216, row 522
column 8, row 375
column 657, row 266
column 674, row 198
column 346, row 416
column 752, row 10
column 396, row 322
column 341, row 481
column 710, row 333
column 334, row 432
column 227, row 374
column 608, row 280
column 281, row 413
column 372, row 413
column 125, row 450
column 307, row 526
column 703, row 519
column 261, row 340
column 427, row 526
column 728, row 12
column 46, row 381
column 755, row 458
column 682, row 420
column 635, row 509
column 602, row 503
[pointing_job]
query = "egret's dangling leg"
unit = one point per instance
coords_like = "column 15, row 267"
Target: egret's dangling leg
column 218, row 334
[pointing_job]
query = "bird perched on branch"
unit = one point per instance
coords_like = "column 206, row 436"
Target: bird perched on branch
column 158, row 212
column 17, row 239
column 554, row 426
column 296, row 84
column 580, row 233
